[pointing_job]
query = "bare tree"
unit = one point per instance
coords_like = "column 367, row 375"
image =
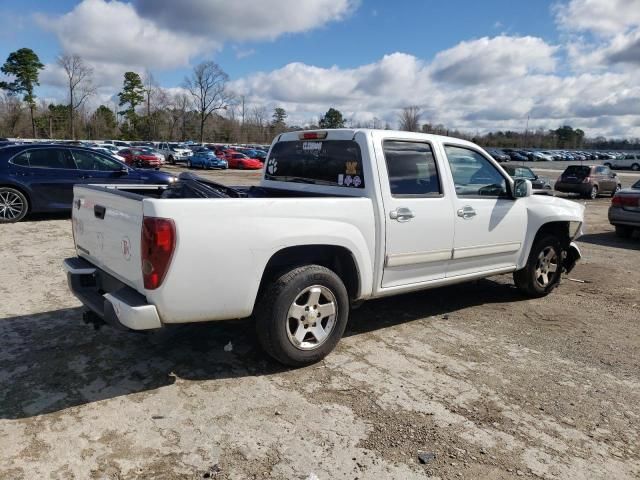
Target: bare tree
column 208, row 88
column 410, row 119
column 178, row 108
column 79, row 76
column 10, row 113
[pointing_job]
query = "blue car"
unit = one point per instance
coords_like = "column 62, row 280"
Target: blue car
column 40, row 177
column 205, row 158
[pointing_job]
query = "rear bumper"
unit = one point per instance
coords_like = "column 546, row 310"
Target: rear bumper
column 116, row 303
column 581, row 188
column 620, row 216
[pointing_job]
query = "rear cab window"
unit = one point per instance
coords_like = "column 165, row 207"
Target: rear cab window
column 336, row 163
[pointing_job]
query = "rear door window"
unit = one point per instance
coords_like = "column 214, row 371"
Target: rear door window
column 412, row 169
column 327, row 162
column 55, row 158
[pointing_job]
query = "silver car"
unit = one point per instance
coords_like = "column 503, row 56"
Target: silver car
column 624, row 212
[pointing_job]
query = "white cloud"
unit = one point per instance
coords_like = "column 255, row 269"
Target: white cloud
column 604, row 17
column 244, row 19
column 490, row 59
column 113, row 32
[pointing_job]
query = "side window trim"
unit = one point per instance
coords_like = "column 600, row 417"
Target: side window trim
column 435, row 162
column 490, row 160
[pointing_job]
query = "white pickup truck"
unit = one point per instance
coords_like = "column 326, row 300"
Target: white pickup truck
column 340, row 216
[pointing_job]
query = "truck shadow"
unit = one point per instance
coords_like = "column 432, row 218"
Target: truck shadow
column 52, row 361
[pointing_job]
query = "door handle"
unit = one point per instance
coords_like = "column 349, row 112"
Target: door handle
column 401, row 214
column 466, row 212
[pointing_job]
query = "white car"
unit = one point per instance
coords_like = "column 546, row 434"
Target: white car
column 340, row 216
column 628, row 160
column 111, row 151
column 174, row 152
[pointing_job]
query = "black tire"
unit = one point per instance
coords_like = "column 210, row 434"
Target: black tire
column 274, row 324
column 593, row 193
column 172, row 160
column 616, row 190
column 528, row 280
column 624, row 231
column 635, row 167
column 189, row 164
column 14, row 205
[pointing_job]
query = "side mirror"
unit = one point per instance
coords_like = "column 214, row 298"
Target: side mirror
column 522, row 188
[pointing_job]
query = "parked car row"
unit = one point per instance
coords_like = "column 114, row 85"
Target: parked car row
column 612, row 159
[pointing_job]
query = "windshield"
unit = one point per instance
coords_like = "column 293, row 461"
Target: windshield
column 328, row 162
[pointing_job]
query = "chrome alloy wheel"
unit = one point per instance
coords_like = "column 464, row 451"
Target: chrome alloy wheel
column 11, row 205
column 546, row 266
column 312, row 317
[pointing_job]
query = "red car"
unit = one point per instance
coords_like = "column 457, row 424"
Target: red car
column 139, row 158
column 241, row 161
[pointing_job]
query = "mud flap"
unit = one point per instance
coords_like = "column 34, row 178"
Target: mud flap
column 571, row 257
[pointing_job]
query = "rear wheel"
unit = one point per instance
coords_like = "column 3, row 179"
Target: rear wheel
column 542, row 272
column 624, row 231
column 301, row 317
column 593, row 193
column 13, row 205
column 635, row 167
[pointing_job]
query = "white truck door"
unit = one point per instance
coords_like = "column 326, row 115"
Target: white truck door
column 490, row 225
column 417, row 214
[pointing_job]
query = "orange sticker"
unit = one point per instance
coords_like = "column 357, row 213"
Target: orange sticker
column 351, row 168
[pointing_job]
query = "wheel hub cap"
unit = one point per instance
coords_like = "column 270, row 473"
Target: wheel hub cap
column 11, row 205
column 546, row 266
column 311, row 317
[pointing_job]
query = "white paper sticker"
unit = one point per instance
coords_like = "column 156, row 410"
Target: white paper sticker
column 311, row 146
column 341, row 179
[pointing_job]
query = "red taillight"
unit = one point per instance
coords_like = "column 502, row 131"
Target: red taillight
column 313, row 135
column 626, row 201
column 586, row 179
column 157, row 245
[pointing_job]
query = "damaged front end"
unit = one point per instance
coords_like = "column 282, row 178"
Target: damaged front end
column 570, row 257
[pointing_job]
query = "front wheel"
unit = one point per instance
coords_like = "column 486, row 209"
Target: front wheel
column 301, row 317
column 635, row 167
column 172, row 160
column 616, row 190
column 13, row 205
column 542, row 272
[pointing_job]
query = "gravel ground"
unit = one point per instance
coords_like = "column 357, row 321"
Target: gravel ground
column 492, row 384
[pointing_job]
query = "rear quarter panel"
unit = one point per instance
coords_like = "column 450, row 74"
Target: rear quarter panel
column 224, row 245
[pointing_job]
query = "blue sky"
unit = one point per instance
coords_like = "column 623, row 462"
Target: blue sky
column 468, row 64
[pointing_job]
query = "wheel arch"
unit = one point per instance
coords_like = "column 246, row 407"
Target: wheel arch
column 337, row 258
column 559, row 228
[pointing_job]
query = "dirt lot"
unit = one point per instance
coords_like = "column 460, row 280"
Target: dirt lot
column 496, row 386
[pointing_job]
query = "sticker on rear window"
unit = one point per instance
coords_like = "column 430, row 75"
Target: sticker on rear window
column 312, row 146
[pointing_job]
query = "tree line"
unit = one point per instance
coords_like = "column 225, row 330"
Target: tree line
column 205, row 109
